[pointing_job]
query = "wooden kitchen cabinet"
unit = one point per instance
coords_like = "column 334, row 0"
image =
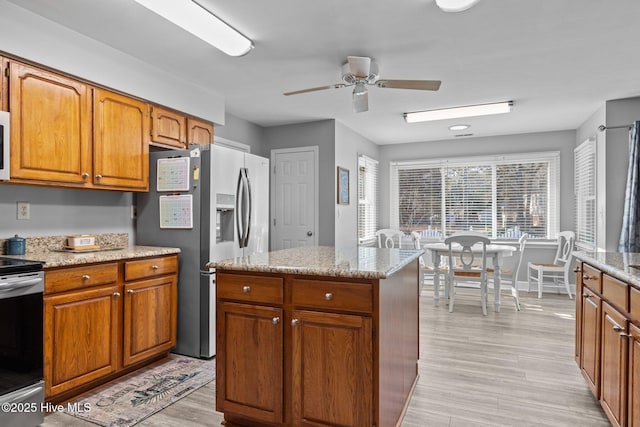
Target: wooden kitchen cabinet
column 50, row 127
column 101, row 322
column 613, row 395
column 633, row 419
column 80, row 337
column 121, row 142
column 4, row 85
column 168, row 127
column 590, row 343
column 199, row 131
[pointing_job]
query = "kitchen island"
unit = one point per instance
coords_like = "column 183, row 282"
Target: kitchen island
column 607, row 347
column 317, row 336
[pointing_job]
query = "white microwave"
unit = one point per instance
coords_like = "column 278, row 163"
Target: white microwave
column 5, row 159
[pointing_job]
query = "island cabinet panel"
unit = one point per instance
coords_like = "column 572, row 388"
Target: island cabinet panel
column 80, row 337
column 249, row 368
column 332, row 369
column 590, row 355
column 50, row 127
column 613, row 391
column 634, row 377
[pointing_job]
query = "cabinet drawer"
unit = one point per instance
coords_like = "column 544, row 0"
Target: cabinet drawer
column 250, row 288
column 616, row 292
column 592, row 278
column 151, row 267
column 333, row 295
column 634, row 304
column 85, row 276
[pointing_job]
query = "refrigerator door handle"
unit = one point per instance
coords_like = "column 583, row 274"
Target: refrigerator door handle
column 249, row 201
column 239, row 216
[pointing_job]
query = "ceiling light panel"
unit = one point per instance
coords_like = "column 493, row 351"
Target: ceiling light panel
column 455, row 5
column 458, row 112
column 200, row 22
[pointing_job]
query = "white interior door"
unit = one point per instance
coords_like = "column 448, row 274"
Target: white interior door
column 295, row 206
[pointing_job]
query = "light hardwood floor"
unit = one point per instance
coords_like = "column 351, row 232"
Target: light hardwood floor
column 506, row 369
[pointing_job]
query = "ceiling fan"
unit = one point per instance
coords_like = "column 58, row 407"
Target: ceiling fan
column 362, row 71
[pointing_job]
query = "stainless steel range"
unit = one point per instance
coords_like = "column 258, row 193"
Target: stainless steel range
column 21, row 341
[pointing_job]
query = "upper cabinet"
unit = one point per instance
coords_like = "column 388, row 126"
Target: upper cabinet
column 121, row 142
column 51, row 133
column 4, row 86
column 176, row 130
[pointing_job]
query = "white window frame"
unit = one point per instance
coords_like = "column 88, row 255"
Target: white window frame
column 370, row 198
column 585, row 194
column 553, row 190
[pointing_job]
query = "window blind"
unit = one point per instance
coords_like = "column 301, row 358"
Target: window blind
column 585, row 194
column 501, row 196
column 367, row 199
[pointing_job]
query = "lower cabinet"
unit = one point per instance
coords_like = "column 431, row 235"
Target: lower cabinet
column 590, row 343
column 613, row 396
column 634, row 377
column 97, row 324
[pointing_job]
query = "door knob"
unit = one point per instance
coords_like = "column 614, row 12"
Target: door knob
column 309, row 233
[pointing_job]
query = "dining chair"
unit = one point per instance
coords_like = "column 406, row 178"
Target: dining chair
column 558, row 270
column 425, row 269
column 471, row 264
column 511, row 275
column 388, row 237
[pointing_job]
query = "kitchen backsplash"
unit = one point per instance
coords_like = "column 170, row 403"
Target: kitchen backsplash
column 46, row 243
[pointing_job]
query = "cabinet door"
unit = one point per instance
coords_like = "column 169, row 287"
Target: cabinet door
column 80, row 337
column 613, row 377
column 249, row 361
column 150, row 316
column 50, row 127
column 634, row 377
column 590, row 347
column 121, row 142
column 168, row 127
column 332, row 369
column 199, row 131
column 578, row 325
column 4, row 86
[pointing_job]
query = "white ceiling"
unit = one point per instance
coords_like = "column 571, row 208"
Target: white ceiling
column 558, row 60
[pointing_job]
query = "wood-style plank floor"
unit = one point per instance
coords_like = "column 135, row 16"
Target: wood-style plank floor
column 506, row 369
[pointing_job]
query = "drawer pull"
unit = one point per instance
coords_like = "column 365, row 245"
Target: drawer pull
column 587, row 296
column 116, row 294
column 295, row 322
column 98, row 177
column 130, row 291
column 86, row 277
column 618, row 328
column 328, row 296
column 275, row 320
column 154, row 267
column 246, row 289
column 586, row 277
column 577, row 270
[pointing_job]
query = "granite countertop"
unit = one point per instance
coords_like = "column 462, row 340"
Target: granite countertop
column 354, row 262
column 52, row 258
column 624, row 266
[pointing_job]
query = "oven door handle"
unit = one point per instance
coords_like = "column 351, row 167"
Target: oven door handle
column 10, row 286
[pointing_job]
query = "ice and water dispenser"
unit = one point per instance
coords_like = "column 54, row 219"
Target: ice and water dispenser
column 225, row 214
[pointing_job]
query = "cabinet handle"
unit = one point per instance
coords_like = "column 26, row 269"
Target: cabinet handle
column 328, row 296
column 586, row 277
column 294, row 322
column 85, row 175
column 116, row 294
column 577, row 270
column 86, row 277
column 275, row 320
column 246, row 289
column 98, row 176
column 587, row 296
column 130, row 291
column 618, row 328
column 154, row 267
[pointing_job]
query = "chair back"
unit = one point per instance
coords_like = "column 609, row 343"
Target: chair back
column 516, row 268
column 415, row 239
column 469, row 255
column 387, row 238
column 564, row 252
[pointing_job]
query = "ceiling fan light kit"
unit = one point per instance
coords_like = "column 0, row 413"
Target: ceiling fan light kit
column 455, row 5
column 199, row 21
column 459, row 112
column 362, row 71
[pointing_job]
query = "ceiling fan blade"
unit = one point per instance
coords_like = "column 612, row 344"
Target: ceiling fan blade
column 409, row 84
column 313, row 89
column 359, row 66
column 360, row 100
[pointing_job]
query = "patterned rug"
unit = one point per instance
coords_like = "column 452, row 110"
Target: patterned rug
column 143, row 393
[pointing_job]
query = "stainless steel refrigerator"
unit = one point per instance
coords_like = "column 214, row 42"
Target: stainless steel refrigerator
column 181, row 210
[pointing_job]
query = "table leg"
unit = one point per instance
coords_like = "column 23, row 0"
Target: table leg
column 436, row 278
column 496, row 280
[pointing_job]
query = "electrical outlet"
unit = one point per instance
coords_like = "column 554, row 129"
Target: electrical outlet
column 24, row 210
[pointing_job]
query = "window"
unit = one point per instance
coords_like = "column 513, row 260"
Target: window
column 367, row 199
column 585, row 194
column 501, row 196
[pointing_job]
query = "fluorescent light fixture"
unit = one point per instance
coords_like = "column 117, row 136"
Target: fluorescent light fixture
column 200, row 22
column 458, row 112
column 455, row 5
column 459, row 127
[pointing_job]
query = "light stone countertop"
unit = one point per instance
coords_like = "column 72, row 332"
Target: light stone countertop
column 53, row 259
column 354, row 262
column 616, row 264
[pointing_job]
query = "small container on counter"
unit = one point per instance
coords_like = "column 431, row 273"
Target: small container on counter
column 16, row 245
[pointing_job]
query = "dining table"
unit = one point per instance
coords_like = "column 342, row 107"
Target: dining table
column 497, row 252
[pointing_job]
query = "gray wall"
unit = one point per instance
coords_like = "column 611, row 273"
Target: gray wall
column 242, row 131
column 348, row 146
column 58, row 211
column 322, row 135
